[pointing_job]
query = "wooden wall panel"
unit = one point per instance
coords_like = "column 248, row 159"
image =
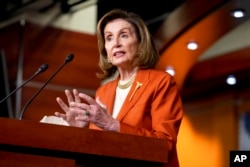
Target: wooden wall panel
column 43, row 44
column 209, row 77
column 51, row 45
column 44, row 104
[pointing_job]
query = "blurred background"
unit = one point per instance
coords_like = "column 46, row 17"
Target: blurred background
column 205, row 45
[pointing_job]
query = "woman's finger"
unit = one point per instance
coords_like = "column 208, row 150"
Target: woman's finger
column 76, row 94
column 81, row 106
column 69, row 96
column 100, row 103
column 60, row 115
column 87, row 98
column 62, row 104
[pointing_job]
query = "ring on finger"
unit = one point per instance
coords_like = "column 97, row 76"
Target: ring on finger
column 86, row 113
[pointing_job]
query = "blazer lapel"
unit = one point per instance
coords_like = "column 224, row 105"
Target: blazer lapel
column 110, row 97
column 136, row 92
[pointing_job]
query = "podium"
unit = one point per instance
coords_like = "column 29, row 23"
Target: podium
column 29, row 143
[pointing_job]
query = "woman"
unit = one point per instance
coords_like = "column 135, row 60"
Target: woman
column 139, row 100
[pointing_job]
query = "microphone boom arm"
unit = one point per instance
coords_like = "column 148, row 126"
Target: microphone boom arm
column 68, row 59
column 40, row 70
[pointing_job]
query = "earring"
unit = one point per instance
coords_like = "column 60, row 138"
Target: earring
column 108, row 60
column 139, row 54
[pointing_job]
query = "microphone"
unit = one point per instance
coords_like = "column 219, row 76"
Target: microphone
column 41, row 69
column 68, row 59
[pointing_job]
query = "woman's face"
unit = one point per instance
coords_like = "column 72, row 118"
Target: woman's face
column 121, row 42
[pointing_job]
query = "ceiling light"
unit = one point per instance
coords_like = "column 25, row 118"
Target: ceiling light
column 170, row 70
column 192, row 45
column 231, row 80
column 238, row 13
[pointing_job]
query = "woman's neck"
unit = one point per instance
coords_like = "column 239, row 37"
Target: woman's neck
column 128, row 74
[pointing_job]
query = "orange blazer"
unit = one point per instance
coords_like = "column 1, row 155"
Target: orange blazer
column 153, row 108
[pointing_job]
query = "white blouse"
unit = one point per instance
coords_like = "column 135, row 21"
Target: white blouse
column 120, row 97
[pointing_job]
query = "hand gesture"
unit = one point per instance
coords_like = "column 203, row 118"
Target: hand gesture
column 69, row 116
column 95, row 112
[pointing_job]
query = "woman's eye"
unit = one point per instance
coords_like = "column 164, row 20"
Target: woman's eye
column 108, row 38
column 124, row 35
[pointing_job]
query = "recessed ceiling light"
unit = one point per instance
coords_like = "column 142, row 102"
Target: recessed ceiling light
column 238, row 13
column 170, row 70
column 192, row 45
column 231, row 80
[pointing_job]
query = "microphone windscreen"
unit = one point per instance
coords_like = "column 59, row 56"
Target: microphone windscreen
column 69, row 58
column 44, row 67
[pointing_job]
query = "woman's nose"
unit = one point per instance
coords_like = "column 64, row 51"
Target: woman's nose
column 117, row 42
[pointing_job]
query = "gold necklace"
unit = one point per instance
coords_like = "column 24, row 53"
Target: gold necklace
column 126, row 85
